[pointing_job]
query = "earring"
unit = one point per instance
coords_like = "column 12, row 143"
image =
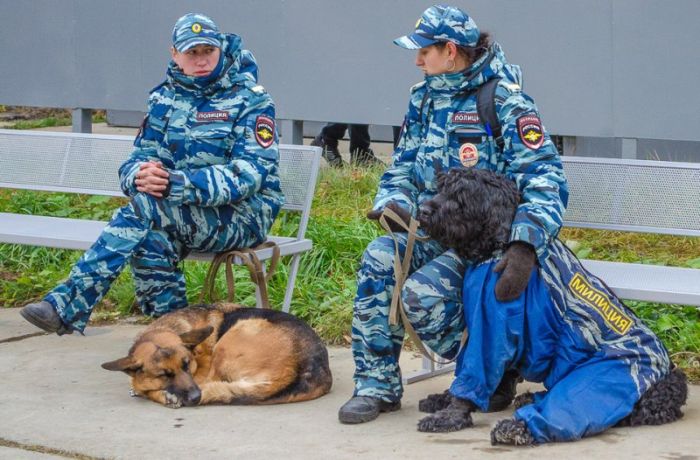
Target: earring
column 450, row 68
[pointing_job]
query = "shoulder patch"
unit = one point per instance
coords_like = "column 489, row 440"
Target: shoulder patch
column 530, row 131
column 264, row 131
column 258, row 89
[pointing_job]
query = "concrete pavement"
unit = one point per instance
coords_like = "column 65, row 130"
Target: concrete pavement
column 57, row 402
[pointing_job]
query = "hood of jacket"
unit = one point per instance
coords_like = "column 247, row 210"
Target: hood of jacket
column 492, row 64
column 237, row 66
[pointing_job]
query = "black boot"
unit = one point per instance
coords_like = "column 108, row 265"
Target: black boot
column 44, row 316
column 364, row 157
column 330, row 154
column 361, row 409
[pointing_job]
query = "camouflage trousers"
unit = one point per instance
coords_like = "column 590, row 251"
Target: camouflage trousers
column 154, row 236
column 432, row 297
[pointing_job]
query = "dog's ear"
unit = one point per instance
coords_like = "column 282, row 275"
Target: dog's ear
column 126, row 364
column 196, row 336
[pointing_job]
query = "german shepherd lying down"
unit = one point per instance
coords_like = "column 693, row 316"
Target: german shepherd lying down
column 226, row 354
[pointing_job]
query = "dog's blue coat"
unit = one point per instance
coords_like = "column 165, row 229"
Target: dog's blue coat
column 594, row 369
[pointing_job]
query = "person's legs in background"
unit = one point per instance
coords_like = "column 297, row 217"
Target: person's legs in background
column 360, row 152
column 328, row 140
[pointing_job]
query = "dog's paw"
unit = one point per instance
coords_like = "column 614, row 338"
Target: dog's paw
column 511, row 432
column 133, row 393
column 445, row 421
column 435, row 402
column 171, row 400
column 524, row 399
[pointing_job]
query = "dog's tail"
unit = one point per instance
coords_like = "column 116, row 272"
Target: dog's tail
column 661, row 403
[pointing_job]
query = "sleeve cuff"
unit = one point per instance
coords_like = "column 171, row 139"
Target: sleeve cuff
column 532, row 235
column 176, row 187
column 399, row 199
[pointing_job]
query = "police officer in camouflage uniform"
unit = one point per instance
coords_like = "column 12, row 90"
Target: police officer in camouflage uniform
column 203, row 176
column 443, row 130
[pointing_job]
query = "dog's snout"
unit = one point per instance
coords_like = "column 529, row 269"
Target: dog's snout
column 186, row 391
column 193, row 397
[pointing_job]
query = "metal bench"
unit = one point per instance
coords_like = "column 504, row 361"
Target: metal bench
column 632, row 196
column 86, row 163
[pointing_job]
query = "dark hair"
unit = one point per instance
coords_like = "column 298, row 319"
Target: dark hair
column 471, row 53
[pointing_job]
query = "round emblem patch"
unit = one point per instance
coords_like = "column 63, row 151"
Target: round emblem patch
column 196, row 27
column 468, row 155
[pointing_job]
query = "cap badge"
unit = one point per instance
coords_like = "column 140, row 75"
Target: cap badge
column 196, row 27
column 418, row 23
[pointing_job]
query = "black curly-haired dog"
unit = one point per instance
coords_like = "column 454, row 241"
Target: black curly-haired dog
column 472, row 213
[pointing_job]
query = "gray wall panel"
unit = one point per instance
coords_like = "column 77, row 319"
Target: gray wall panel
column 657, row 64
column 600, row 68
column 34, row 70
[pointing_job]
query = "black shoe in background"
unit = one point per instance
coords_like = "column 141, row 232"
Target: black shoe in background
column 330, row 154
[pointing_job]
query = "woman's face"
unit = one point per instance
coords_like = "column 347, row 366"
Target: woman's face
column 198, row 61
column 433, row 60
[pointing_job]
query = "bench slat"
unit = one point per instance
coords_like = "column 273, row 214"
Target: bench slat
column 633, row 195
column 650, row 283
column 56, row 232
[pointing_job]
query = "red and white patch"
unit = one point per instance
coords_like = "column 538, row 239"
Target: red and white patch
column 264, row 131
column 530, row 131
column 465, row 118
column 468, row 155
column 218, row 115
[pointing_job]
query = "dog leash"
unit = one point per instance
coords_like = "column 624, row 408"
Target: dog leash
column 251, row 260
column 401, row 269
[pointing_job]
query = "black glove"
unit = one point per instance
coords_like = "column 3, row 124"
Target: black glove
column 516, row 267
column 401, row 212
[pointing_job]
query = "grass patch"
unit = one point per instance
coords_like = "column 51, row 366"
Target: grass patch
column 326, row 284
column 50, row 122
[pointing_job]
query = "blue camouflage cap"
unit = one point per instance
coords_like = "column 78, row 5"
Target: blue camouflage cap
column 195, row 29
column 441, row 23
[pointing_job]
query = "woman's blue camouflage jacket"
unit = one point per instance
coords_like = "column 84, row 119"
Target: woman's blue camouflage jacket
column 442, row 130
